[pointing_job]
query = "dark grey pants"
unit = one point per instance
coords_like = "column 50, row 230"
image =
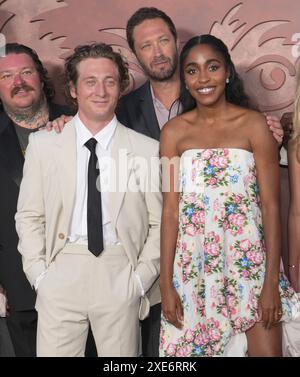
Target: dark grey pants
column 6, row 347
column 22, row 326
column 150, row 332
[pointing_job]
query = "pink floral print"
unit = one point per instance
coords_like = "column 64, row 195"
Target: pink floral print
column 220, row 258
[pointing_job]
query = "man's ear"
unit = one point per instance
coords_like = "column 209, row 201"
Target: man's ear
column 72, row 90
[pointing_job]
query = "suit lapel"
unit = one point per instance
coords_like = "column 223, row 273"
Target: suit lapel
column 65, row 156
column 11, row 155
column 148, row 111
column 123, row 157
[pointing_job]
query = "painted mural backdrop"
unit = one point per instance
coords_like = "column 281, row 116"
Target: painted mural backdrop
column 261, row 35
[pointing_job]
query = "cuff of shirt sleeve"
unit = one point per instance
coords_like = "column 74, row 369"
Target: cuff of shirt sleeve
column 138, row 278
column 148, row 274
column 34, row 271
column 39, row 279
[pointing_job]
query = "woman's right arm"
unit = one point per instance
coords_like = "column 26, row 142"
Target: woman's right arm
column 171, row 303
column 294, row 213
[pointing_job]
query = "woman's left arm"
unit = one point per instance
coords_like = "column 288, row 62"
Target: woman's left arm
column 265, row 152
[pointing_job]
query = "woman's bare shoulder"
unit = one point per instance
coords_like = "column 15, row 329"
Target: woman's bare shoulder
column 253, row 121
column 176, row 126
column 254, row 117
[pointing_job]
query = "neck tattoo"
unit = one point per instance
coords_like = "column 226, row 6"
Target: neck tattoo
column 33, row 118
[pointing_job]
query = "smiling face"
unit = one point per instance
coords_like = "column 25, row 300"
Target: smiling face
column 155, row 48
column 205, row 75
column 97, row 90
column 20, row 85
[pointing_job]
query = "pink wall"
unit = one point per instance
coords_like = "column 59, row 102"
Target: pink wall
column 258, row 33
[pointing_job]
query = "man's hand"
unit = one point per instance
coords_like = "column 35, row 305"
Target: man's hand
column 58, row 124
column 275, row 127
column 287, row 125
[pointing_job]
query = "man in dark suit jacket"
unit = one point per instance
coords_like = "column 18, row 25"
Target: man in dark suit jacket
column 136, row 111
column 152, row 37
column 26, row 106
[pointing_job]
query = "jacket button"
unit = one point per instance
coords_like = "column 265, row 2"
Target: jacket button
column 61, row 236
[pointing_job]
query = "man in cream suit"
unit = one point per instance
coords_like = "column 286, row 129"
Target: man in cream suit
column 90, row 242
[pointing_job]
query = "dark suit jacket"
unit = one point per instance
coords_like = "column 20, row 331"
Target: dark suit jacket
column 136, row 111
column 19, row 292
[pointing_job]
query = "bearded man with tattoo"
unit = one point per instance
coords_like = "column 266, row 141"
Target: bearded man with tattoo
column 26, row 106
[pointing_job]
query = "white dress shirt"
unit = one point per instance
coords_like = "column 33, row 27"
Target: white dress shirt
column 163, row 114
column 78, row 229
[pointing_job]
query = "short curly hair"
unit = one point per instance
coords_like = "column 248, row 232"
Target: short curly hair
column 95, row 50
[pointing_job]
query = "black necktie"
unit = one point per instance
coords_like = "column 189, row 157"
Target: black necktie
column 94, row 209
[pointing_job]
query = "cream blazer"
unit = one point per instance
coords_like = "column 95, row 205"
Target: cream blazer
column 47, row 195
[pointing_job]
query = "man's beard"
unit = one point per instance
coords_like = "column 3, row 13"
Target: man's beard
column 25, row 113
column 163, row 75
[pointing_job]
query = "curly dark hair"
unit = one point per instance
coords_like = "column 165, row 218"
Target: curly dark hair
column 147, row 13
column 234, row 90
column 95, row 50
column 17, row 48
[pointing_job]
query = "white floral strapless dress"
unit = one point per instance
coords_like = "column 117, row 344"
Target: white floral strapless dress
column 220, row 257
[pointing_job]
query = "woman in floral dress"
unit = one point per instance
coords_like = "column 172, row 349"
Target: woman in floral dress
column 220, row 240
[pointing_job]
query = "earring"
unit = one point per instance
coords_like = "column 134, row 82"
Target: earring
column 186, row 87
column 227, row 80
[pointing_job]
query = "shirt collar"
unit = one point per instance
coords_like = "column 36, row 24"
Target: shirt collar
column 175, row 109
column 156, row 101
column 103, row 137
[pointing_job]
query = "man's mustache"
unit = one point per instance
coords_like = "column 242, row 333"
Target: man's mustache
column 17, row 89
column 161, row 59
